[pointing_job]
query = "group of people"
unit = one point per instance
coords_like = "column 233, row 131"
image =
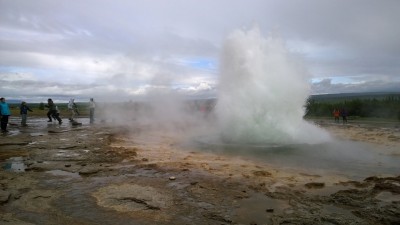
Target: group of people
column 53, row 112
column 5, row 113
column 73, row 109
column 340, row 113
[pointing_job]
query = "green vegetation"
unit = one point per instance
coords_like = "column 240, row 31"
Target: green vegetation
column 385, row 106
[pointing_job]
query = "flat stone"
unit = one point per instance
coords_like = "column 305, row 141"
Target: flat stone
column 315, row 185
column 4, row 196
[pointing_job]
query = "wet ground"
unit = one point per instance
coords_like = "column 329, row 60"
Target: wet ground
column 137, row 174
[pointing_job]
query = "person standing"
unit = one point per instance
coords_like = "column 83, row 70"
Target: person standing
column 4, row 114
column 52, row 111
column 92, row 106
column 336, row 115
column 72, row 108
column 343, row 112
column 24, row 113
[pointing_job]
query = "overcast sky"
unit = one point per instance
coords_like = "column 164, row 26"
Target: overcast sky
column 124, row 49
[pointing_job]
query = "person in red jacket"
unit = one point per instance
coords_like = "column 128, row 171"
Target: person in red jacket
column 336, row 115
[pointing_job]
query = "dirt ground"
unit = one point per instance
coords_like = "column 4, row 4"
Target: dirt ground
column 99, row 174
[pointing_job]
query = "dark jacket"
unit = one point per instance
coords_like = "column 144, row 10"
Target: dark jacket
column 24, row 109
column 51, row 105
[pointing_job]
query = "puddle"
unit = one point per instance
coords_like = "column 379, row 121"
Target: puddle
column 258, row 209
column 330, row 209
column 326, row 190
column 78, row 202
column 15, row 164
column 11, row 132
column 178, row 185
column 64, row 173
column 66, row 155
column 387, row 197
column 37, row 134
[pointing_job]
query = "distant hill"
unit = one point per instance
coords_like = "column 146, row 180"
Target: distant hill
column 13, row 101
column 351, row 96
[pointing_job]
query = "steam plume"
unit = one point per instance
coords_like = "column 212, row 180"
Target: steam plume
column 262, row 90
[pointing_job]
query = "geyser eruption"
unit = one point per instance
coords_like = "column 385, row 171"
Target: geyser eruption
column 262, row 92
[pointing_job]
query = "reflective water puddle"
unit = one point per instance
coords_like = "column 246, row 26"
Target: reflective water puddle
column 15, row 164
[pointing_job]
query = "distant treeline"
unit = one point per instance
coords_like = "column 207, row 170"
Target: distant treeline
column 380, row 106
column 377, row 105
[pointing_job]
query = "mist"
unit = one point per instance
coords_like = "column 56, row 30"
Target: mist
column 261, row 93
column 162, row 110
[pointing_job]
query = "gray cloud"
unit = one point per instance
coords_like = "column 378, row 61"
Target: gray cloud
column 326, row 86
column 96, row 45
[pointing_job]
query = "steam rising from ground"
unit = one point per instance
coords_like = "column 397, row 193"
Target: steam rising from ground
column 262, row 90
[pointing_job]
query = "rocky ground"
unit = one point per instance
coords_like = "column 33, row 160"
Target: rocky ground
column 101, row 174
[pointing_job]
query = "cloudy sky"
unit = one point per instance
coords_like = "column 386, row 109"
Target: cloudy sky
column 124, row 49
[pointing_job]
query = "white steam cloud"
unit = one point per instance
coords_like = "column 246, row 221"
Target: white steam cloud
column 262, row 91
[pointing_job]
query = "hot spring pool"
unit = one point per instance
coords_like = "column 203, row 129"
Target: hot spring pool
column 349, row 158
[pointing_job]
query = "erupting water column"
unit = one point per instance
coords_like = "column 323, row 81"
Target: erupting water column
column 262, row 92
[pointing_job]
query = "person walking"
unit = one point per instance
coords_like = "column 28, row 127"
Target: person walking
column 24, row 113
column 52, row 111
column 56, row 113
column 4, row 114
column 92, row 106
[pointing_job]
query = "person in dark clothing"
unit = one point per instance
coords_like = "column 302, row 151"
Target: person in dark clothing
column 24, row 113
column 343, row 113
column 52, row 111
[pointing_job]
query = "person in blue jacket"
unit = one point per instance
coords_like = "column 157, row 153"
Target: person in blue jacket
column 4, row 114
column 24, row 113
